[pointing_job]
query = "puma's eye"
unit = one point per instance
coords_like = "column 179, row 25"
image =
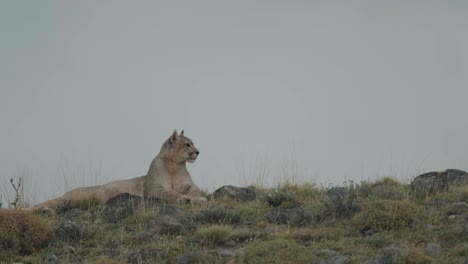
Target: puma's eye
column 187, row 144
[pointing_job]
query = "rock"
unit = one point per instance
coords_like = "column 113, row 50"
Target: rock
column 165, row 225
column 297, row 216
column 235, row 193
column 460, row 204
column 70, row 231
column 52, row 259
column 433, row 182
column 230, row 243
column 169, row 210
column 72, row 213
column 332, row 256
column 197, row 258
column 388, row 256
column 433, row 250
column 459, row 208
column 458, row 217
column 121, row 206
column 339, row 260
column 227, row 253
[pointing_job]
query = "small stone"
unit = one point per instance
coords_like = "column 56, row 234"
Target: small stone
column 433, row 249
column 230, row 243
column 389, row 255
column 69, row 230
column 339, row 260
column 196, row 257
column 460, row 204
column 452, row 217
column 52, row 259
column 227, row 253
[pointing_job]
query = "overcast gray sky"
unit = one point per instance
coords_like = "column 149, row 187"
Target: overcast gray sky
column 341, row 91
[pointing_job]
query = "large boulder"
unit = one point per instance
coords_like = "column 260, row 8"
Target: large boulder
column 235, row 193
column 433, row 182
column 121, row 206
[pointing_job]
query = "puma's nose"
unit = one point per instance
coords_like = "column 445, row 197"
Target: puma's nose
column 198, row 152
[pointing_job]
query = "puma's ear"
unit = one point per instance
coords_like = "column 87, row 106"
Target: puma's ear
column 173, row 137
column 181, row 133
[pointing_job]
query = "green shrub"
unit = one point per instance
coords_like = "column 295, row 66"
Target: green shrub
column 390, row 189
column 223, row 215
column 22, row 233
column 85, row 203
column 277, row 251
column 453, row 194
column 214, row 234
column 282, row 197
column 340, row 202
column 387, row 215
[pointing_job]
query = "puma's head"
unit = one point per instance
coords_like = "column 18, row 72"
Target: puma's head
column 179, row 148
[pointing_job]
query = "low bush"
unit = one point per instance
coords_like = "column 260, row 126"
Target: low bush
column 215, row 234
column 223, row 215
column 340, row 202
column 22, row 233
column 384, row 215
column 277, row 251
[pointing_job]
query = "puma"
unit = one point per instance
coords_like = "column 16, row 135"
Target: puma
column 167, row 179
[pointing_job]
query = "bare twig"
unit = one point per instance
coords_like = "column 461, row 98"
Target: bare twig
column 18, row 201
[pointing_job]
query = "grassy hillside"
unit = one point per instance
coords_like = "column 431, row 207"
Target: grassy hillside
column 369, row 222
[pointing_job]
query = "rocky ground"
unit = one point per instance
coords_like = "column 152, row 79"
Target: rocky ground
column 369, row 222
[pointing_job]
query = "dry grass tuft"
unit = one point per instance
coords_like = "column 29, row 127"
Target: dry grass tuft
column 22, row 233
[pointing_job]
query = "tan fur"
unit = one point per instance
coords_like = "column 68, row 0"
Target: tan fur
column 167, row 179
